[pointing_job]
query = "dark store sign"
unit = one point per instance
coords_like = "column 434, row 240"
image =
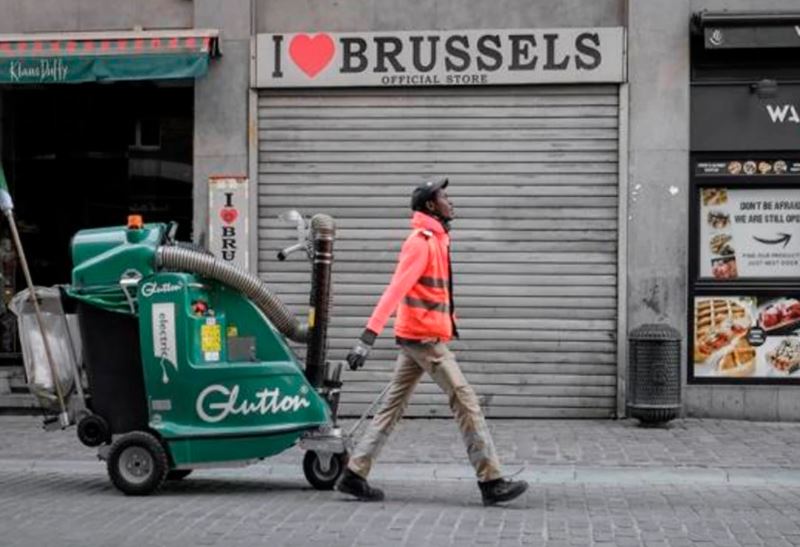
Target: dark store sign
column 752, row 36
column 58, row 70
column 440, row 58
column 91, row 57
column 734, row 117
column 747, row 337
column 749, row 233
column 782, row 113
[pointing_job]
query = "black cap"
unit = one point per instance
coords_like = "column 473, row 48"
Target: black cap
column 426, row 191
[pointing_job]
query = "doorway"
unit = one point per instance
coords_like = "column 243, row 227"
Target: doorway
column 88, row 155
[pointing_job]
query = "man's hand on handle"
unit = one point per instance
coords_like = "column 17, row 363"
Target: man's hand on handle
column 358, row 355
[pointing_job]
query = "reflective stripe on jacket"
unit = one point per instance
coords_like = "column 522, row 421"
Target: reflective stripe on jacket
column 420, row 289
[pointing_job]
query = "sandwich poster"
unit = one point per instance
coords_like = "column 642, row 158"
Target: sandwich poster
column 747, row 337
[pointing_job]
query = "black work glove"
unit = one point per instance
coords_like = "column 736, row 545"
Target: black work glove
column 358, row 355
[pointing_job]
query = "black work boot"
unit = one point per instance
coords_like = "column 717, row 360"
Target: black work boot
column 351, row 483
column 500, row 490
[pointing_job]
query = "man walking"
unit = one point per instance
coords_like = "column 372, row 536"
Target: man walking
column 421, row 291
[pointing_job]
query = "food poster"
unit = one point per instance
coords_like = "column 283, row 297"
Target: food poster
column 747, row 337
column 749, row 233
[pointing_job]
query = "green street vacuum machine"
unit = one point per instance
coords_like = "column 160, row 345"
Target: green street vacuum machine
column 168, row 359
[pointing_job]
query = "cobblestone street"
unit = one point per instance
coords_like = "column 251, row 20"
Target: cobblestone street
column 698, row 482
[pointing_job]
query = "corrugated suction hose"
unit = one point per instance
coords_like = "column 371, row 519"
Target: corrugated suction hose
column 176, row 258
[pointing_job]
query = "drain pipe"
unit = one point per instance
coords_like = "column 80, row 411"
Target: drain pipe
column 323, row 233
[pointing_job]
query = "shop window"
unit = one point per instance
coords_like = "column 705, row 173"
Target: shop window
column 744, row 265
column 147, row 135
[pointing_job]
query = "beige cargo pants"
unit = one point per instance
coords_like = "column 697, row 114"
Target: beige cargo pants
column 440, row 363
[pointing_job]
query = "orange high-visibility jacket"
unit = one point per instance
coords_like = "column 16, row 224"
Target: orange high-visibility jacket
column 421, row 288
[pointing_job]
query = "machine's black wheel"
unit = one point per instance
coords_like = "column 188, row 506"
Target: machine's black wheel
column 318, row 477
column 137, row 463
column 93, row 430
column 178, row 474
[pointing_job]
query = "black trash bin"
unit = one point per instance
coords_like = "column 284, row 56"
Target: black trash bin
column 654, row 376
column 113, row 361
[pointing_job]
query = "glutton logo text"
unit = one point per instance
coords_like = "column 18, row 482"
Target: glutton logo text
column 151, row 288
column 216, row 403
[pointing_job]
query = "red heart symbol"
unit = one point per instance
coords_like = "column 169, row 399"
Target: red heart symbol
column 228, row 215
column 311, row 54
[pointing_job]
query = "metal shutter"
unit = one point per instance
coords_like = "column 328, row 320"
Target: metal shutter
column 535, row 185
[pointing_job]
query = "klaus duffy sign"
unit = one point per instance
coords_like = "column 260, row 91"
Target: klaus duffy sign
column 228, row 219
column 440, row 58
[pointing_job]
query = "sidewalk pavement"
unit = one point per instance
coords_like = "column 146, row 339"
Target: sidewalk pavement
column 690, row 451
column 696, row 483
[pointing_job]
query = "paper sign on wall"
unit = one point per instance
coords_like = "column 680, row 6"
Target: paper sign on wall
column 228, row 219
column 749, row 233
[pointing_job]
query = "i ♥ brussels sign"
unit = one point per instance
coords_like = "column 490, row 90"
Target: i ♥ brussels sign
column 440, row 58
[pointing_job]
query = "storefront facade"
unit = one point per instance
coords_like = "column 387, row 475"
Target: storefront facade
column 98, row 124
column 744, row 172
column 524, row 121
column 565, row 131
column 670, row 264
column 97, row 121
column 534, row 176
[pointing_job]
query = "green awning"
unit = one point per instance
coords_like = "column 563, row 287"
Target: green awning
column 104, row 56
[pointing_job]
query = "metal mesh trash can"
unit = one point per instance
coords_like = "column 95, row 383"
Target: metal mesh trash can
column 61, row 333
column 654, row 379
